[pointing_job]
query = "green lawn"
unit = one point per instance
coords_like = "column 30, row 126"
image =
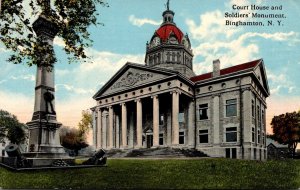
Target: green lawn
column 165, row 174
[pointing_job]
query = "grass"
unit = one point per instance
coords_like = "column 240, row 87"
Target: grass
column 164, row 174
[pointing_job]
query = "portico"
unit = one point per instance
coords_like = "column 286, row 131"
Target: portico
column 144, row 117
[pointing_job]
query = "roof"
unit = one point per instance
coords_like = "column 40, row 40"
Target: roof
column 276, row 144
column 228, row 70
column 166, row 30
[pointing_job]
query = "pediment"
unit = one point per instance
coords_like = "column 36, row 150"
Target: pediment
column 261, row 76
column 131, row 76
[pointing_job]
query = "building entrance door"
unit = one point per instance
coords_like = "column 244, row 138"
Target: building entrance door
column 149, row 141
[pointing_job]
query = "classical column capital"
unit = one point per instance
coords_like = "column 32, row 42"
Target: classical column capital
column 123, row 104
column 138, row 100
column 175, row 92
column 216, row 95
column 154, row 96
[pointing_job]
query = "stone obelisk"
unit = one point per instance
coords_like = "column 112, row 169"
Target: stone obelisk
column 44, row 138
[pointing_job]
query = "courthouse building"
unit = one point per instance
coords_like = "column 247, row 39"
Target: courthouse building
column 162, row 103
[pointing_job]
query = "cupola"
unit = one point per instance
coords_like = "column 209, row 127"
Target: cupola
column 169, row 48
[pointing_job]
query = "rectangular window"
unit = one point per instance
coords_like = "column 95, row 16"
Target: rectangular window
column 253, row 134
column 161, row 139
column 262, row 118
column 263, row 138
column 254, row 152
column 231, row 134
column 231, row 108
column 181, row 117
column 258, row 136
column 203, row 109
column 233, row 151
column 181, row 137
column 258, row 117
column 253, row 109
column 203, row 136
column 227, row 152
column 161, row 119
column 3, row 153
column 230, row 152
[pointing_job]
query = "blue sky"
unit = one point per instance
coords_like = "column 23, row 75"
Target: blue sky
column 129, row 24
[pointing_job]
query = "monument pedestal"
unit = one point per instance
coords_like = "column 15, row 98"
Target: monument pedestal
column 44, row 140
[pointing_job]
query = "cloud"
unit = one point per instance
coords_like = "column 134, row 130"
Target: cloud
column 232, row 45
column 280, row 82
column 24, row 77
column 73, row 89
column 141, row 21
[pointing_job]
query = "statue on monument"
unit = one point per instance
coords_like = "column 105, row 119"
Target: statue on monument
column 49, row 97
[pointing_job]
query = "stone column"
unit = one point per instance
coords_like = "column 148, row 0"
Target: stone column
column 99, row 129
column 216, row 120
column 131, row 130
column 175, row 123
column 191, row 124
column 139, row 121
column 124, row 125
column 110, row 127
column 155, row 121
column 104, row 130
column 117, row 131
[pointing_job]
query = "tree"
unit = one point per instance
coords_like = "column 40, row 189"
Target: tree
column 286, row 130
column 72, row 18
column 72, row 140
column 85, row 124
column 75, row 139
column 11, row 128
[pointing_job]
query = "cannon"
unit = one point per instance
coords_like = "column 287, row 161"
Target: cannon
column 97, row 159
column 13, row 151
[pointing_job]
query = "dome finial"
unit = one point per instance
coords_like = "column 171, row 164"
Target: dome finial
column 168, row 4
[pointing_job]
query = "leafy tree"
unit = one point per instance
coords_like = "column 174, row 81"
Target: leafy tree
column 71, row 139
column 85, row 124
column 286, row 130
column 72, row 18
column 75, row 139
column 11, row 128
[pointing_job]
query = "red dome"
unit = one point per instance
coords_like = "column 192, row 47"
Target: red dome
column 164, row 32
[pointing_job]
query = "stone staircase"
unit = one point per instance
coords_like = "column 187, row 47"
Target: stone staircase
column 155, row 153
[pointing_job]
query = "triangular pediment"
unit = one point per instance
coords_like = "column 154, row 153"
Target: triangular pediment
column 131, row 76
column 260, row 73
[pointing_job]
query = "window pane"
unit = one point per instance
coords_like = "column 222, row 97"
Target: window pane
column 203, row 111
column 231, row 137
column 203, row 138
column 161, row 139
column 231, row 110
column 227, row 152
column 232, row 101
column 233, row 152
column 181, row 117
column 231, row 129
column 203, row 131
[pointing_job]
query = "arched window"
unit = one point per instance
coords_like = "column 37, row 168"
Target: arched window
column 178, row 57
column 168, row 56
column 173, row 56
column 159, row 58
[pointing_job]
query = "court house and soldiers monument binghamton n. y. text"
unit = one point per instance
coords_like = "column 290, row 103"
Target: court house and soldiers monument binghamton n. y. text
column 162, row 103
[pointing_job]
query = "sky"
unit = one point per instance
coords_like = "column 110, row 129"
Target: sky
column 129, row 24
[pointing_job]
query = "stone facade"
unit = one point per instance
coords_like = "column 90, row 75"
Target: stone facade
column 163, row 103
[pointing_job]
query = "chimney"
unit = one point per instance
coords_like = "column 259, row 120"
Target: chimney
column 216, row 68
